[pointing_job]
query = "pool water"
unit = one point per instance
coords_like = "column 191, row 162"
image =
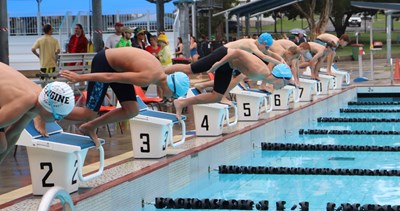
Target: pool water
column 318, row 190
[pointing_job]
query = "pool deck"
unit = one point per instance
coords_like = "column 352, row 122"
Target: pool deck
column 16, row 188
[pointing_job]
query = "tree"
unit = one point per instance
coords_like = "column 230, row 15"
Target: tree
column 218, row 22
column 338, row 12
column 308, row 10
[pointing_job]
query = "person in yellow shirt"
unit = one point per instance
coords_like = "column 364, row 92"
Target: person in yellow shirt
column 49, row 48
column 164, row 55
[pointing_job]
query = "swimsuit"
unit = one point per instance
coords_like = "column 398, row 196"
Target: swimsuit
column 223, row 74
column 97, row 90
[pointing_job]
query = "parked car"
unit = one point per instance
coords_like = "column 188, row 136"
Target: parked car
column 354, row 21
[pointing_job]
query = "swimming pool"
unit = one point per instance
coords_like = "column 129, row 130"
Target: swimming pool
column 195, row 176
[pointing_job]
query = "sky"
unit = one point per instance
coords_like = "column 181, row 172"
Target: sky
column 57, row 7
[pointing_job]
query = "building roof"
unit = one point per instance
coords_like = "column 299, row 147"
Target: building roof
column 258, row 6
column 377, row 5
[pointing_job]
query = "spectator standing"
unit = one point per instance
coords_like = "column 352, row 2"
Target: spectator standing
column 164, row 55
column 193, row 49
column 125, row 40
column 112, row 40
column 204, row 46
column 179, row 48
column 49, row 48
column 140, row 41
column 153, row 48
column 78, row 42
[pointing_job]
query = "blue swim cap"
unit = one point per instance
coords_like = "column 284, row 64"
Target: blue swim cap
column 178, row 83
column 265, row 38
column 282, row 71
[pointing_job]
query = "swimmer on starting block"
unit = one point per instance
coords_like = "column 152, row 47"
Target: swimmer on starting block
column 22, row 100
column 244, row 62
column 259, row 48
column 291, row 53
column 316, row 57
column 330, row 38
column 121, row 68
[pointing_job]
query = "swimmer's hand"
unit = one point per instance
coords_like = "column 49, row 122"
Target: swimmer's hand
column 71, row 76
column 40, row 126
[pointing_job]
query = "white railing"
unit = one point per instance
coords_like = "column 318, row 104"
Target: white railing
column 63, row 24
column 56, row 193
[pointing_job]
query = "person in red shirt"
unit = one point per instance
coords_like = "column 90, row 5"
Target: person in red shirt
column 153, row 48
column 78, row 42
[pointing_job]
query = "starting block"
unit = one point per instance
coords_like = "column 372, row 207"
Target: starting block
column 57, row 160
column 151, row 132
column 282, row 97
column 307, row 88
column 327, row 81
column 209, row 118
column 340, row 75
column 250, row 102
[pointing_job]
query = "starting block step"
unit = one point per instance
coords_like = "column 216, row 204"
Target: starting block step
column 307, row 88
column 282, row 97
column 327, row 81
column 209, row 118
column 250, row 103
column 151, row 132
column 57, row 160
column 341, row 76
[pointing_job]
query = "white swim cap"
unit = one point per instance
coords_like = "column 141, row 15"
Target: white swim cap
column 57, row 98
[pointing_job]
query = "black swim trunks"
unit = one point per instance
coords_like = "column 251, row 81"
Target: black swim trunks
column 205, row 63
column 223, row 74
column 2, row 130
column 97, row 90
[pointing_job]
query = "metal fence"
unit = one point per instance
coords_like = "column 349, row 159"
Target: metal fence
column 63, row 24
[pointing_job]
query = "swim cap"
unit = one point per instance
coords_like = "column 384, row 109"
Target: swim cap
column 282, row 71
column 265, row 38
column 178, row 83
column 57, row 98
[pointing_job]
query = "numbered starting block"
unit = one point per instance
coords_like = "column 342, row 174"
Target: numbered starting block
column 307, row 88
column 250, row 102
column 57, row 160
column 151, row 132
column 209, row 118
column 326, row 82
column 282, row 97
column 340, row 76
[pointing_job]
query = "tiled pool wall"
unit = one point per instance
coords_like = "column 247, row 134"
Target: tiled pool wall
column 130, row 194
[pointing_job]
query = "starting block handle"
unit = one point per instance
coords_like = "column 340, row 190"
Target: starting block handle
column 266, row 100
column 347, row 77
column 80, row 166
column 229, row 124
column 171, row 138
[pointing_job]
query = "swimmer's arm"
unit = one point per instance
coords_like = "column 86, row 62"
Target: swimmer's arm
column 14, row 110
column 232, row 53
column 13, row 133
column 317, row 56
column 277, row 56
column 264, row 57
column 122, row 77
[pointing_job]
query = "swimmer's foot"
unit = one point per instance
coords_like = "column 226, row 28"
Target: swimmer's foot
column 268, row 88
column 330, row 73
column 178, row 107
column 225, row 101
column 91, row 132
